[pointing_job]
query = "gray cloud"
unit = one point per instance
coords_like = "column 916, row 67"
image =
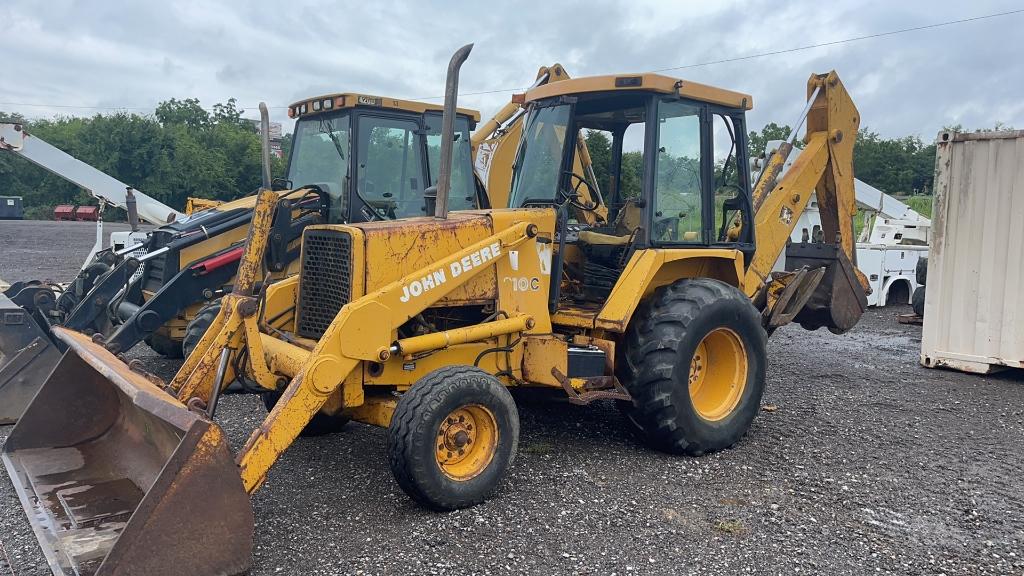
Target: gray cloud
column 135, row 54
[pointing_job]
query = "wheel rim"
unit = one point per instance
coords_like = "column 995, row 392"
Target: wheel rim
column 718, row 374
column 466, row 441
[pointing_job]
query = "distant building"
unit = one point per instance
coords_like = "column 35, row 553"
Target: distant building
column 275, row 137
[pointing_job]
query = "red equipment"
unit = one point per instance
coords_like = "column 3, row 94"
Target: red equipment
column 64, row 212
column 87, row 213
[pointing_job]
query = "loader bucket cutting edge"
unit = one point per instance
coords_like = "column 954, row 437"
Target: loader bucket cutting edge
column 26, row 358
column 118, row 477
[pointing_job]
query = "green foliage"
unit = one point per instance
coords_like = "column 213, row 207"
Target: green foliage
column 180, row 151
column 898, row 166
column 756, row 141
column 920, row 204
column 600, row 148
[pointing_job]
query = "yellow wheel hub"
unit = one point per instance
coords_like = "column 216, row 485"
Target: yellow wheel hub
column 466, row 442
column 718, row 374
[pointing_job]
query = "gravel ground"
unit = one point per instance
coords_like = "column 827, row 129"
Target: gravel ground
column 43, row 250
column 861, row 462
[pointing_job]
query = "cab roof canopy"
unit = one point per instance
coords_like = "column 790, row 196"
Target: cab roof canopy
column 329, row 102
column 648, row 82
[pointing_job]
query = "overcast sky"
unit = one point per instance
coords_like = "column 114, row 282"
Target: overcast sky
column 106, row 55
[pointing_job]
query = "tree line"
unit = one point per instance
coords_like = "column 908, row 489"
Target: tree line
column 899, row 166
column 180, row 151
column 183, row 150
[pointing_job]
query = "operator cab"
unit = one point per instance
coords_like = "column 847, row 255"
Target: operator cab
column 377, row 158
column 669, row 166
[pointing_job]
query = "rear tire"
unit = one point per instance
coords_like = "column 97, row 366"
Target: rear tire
column 921, row 271
column 917, row 302
column 695, row 366
column 453, row 437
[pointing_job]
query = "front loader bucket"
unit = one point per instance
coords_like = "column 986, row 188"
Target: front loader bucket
column 27, row 355
column 839, row 299
column 118, row 477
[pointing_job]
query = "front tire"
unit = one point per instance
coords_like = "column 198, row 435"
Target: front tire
column 695, row 364
column 164, row 346
column 453, row 437
column 198, row 326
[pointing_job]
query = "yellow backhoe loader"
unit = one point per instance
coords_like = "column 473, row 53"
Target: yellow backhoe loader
column 420, row 325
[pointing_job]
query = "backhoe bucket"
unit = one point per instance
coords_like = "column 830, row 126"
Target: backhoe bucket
column 27, row 356
column 839, row 299
column 118, row 477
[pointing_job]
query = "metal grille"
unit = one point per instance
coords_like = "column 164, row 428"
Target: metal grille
column 326, row 281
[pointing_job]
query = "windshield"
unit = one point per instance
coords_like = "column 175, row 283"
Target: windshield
column 538, row 165
column 320, row 157
column 390, row 166
column 463, row 192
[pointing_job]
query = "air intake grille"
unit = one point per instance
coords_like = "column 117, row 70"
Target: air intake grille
column 326, row 281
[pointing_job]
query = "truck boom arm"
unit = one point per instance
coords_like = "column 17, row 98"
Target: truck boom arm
column 106, row 188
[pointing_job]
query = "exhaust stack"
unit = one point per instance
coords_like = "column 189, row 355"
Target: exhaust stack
column 451, row 96
column 265, row 144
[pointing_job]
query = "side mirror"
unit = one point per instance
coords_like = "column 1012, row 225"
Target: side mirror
column 278, row 184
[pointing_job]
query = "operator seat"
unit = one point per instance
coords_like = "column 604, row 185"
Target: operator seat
column 627, row 221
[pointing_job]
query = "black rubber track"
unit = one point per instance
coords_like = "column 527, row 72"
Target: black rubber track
column 413, row 433
column 660, row 343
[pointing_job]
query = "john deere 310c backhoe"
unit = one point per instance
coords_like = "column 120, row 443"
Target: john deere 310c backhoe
column 420, row 325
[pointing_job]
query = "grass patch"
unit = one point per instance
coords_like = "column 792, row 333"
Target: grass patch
column 540, row 448
column 734, row 527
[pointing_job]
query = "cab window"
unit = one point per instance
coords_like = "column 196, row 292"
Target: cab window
column 462, row 195
column 678, row 187
column 539, row 164
column 390, row 170
column 320, row 157
column 730, row 201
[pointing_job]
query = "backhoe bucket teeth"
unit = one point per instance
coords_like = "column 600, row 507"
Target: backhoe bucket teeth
column 839, row 300
column 118, row 477
column 27, row 356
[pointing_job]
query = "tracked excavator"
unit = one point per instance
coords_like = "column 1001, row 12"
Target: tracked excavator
column 421, row 325
column 355, row 158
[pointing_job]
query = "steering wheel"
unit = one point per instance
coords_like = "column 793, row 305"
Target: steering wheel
column 573, row 197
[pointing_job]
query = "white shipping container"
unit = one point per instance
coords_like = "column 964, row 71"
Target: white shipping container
column 974, row 292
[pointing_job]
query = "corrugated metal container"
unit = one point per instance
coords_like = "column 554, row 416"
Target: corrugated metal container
column 974, row 293
column 11, row 208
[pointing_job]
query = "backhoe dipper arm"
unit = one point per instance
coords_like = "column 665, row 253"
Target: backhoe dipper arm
column 823, row 288
column 364, row 330
column 824, row 168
